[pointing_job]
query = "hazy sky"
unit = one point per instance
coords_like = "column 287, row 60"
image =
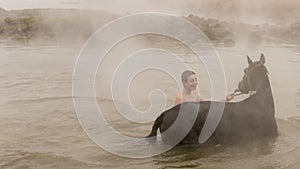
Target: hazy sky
column 249, row 11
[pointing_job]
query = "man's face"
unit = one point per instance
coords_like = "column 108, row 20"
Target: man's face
column 191, row 83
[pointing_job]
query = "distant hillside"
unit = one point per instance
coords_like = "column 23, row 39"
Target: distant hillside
column 52, row 23
column 78, row 25
column 229, row 32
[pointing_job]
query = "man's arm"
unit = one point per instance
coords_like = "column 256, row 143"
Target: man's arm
column 199, row 99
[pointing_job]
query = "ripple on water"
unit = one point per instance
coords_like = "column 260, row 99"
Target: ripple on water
column 46, row 160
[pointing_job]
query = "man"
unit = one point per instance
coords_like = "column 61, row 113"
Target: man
column 189, row 81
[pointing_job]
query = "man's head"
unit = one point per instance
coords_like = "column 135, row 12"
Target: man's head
column 189, row 80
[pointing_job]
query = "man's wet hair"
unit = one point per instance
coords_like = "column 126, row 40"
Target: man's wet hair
column 185, row 75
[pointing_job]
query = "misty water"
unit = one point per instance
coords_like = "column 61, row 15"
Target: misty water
column 40, row 129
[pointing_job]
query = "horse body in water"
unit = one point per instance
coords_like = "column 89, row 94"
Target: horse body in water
column 244, row 121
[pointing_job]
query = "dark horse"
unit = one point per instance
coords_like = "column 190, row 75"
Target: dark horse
column 244, row 121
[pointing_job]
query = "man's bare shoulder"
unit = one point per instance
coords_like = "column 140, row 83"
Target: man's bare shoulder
column 178, row 99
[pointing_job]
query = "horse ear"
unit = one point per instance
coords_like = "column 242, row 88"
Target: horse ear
column 262, row 59
column 249, row 60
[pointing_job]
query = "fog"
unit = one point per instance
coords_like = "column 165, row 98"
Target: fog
column 253, row 12
column 40, row 50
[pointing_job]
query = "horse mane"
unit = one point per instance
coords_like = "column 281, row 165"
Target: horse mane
column 261, row 70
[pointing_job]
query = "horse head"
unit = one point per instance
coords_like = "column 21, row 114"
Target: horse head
column 255, row 76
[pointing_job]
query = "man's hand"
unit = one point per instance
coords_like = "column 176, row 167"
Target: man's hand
column 230, row 97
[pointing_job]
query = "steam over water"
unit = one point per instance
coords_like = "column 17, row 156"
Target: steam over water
column 39, row 128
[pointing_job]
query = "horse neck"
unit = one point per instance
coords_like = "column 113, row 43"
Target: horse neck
column 264, row 94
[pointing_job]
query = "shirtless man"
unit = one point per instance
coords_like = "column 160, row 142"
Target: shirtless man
column 189, row 81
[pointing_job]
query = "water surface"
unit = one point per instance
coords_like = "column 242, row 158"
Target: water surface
column 39, row 128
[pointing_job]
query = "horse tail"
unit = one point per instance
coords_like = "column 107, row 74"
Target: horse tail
column 156, row 125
